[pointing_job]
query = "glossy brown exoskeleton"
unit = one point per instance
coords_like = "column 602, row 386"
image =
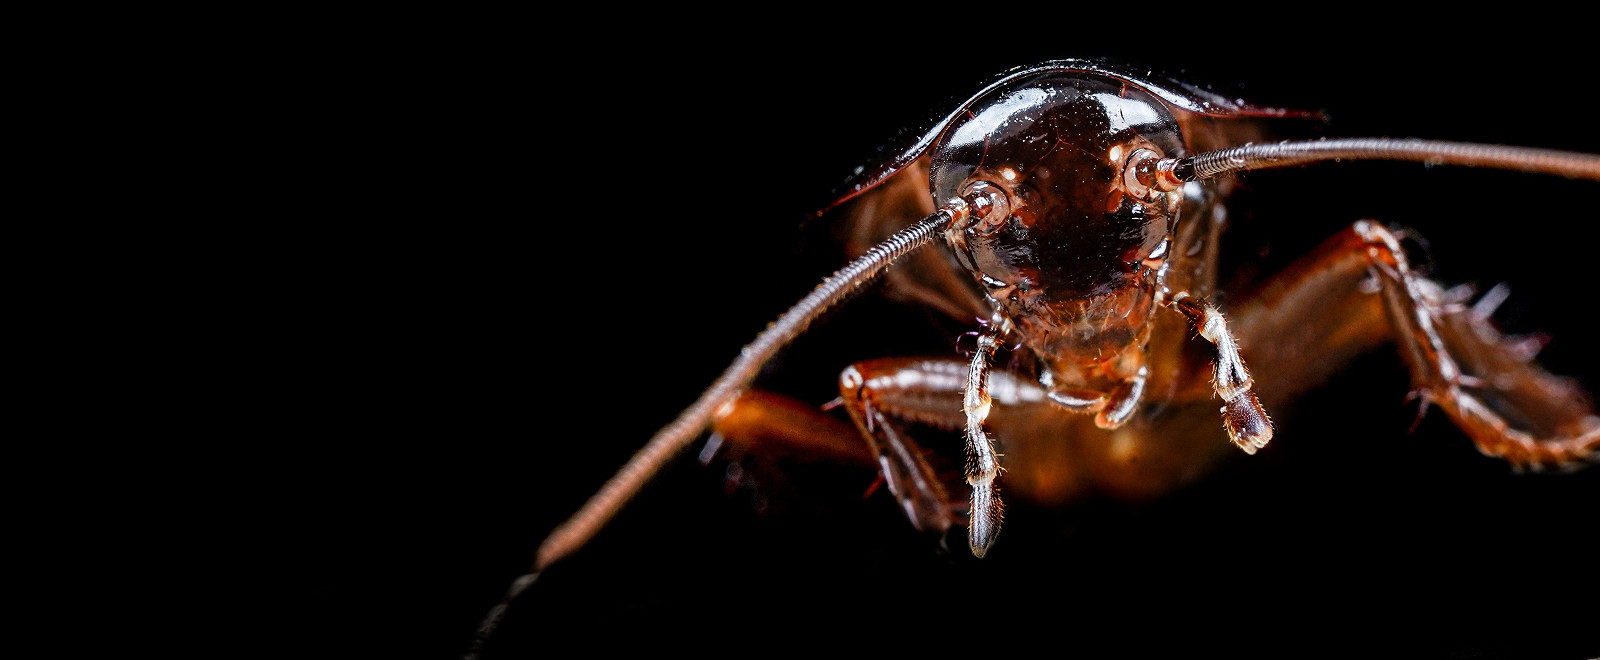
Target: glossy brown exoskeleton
column 1075, row 263
column 1099, row 297
column 1084, row 266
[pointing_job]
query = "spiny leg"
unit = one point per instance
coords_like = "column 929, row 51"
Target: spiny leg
column 982, row 464
column 1247, row 422
column 1437, row 344
column 879, row 395
column 1322, row 311
column 883, row 395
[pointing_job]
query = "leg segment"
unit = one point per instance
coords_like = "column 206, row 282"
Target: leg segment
column 784, row 429
column 982, row 464
column 768, row 439
column 882, row 394
column 1247, row 422
column 1322, row 311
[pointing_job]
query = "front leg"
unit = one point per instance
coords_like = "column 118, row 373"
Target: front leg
column 1247, row 422
column 873, row 395
column 883, row 396
column 982, row 464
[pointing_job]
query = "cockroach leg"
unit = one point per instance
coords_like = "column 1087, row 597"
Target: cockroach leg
column 1460, row 363
column 983, row 467
column 882, row 394
column 1321, row 312
column 782, row 428
column 879, row 394
column 1247, row 422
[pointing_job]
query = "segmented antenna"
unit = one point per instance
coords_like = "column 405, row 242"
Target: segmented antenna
column 673, row 438
column 1172, row 172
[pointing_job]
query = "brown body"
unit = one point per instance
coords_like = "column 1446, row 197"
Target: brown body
column 1097, row 279
column 1050, row 455
column 1090, row 336
column 1296, row 330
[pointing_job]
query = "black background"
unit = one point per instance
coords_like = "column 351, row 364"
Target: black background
column 562, row 246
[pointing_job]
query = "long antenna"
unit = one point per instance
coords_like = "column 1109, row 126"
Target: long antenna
column 674, row 437
column 1173, row 172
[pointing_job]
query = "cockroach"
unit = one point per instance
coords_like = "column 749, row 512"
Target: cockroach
column 1356, row 493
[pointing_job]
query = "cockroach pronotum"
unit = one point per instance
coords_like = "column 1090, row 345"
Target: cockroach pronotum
column 1367, row 488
